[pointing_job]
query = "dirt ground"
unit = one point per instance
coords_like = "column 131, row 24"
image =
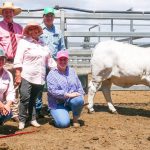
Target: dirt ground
column 128, row 130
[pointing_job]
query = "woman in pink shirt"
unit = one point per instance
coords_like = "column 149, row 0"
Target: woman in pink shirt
column 32, row 58
column 7, row 91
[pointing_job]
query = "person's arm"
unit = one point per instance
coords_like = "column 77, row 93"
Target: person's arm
column 53, row 87
column 18, row 61
column 9, row 95
column 1, row 107
column 18, row 76
column 51, row 63
column 7, row 108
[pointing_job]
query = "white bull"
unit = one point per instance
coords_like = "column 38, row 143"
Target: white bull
column 119, row 63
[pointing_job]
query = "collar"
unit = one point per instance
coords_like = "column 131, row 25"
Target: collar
column 6, row 23
column 66, row 71
column 45, row 27
column 30, row 39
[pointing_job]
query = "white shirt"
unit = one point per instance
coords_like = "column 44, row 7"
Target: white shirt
column 7, row 91
column 33, row 57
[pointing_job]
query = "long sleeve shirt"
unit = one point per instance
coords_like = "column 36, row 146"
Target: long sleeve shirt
column 7, row 91
column 59, row 84
column 32, row 57
column 53, row 38
column 5, row 39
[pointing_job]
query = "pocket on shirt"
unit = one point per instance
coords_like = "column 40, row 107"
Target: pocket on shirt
column 4, row 86
column 5, row 39
column 56, row 39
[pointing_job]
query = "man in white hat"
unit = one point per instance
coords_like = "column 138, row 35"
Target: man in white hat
column 10, row 34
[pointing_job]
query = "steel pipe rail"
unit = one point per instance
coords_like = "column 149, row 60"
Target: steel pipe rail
column 107, row 34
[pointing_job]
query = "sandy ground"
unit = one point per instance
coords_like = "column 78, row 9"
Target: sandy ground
column 128, row 130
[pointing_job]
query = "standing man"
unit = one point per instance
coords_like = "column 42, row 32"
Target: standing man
column 10, row 34
column 53, row 38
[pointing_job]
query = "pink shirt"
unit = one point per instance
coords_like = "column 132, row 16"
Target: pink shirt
column 7, row 91
column 33, row 57
column 5, row 41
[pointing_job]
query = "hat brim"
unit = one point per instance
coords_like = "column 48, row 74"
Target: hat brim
column 62, row 56
column 26, row 29
column 16, row 10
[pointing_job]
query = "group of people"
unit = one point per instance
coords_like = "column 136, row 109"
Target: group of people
column 31, row 57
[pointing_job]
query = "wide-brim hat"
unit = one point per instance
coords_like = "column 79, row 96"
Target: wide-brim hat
column 32, row 24
column 10, row 5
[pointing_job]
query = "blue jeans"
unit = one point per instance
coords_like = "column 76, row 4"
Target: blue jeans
column 39, row 103
column 5, row 118
column 61, row 113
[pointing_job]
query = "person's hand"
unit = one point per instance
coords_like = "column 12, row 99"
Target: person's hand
column 7, row 108
column 18, row 76
column 5, row 111
column 73, row 94
column 17, row 79
column 1, row 107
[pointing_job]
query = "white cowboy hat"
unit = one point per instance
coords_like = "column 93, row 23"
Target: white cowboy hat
column 32, row 24
column 10, row 5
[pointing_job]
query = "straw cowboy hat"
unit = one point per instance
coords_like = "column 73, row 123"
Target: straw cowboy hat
column 10, row 5
column 32, row 24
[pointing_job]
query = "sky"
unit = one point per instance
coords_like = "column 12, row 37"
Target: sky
column 117, row 5
column 99, row 5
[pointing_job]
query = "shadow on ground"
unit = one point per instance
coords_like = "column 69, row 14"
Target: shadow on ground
column 8, row 129
column 129, row 109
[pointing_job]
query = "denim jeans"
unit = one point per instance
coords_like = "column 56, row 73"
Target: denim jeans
column 28, row 95
column 5, row 118
column 39, row 102
column 61, row 113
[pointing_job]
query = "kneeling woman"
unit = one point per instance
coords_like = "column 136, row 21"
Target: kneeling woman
column 65, row 92
column 32, row 58
column 7, row 91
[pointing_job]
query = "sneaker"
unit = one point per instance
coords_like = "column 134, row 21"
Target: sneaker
column 21, row 125
column 76, row 125
column 35, row 123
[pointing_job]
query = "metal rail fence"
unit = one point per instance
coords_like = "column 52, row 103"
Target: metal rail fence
column 80, row 50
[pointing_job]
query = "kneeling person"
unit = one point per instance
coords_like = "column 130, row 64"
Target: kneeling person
column 65, row 92
column 7, row 91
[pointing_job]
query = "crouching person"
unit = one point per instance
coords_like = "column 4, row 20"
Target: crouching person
column 7, row 91
column 65, row 92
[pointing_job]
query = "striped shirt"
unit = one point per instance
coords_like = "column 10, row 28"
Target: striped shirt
column 5, row 39
column 59, row 84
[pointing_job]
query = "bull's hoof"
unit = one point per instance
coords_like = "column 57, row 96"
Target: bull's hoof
column 85, row 104
column 113, row 112
column 91, row 111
